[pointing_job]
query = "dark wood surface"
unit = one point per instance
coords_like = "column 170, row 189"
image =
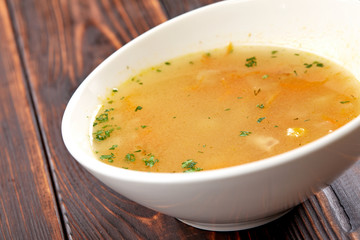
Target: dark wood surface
column 47, row 48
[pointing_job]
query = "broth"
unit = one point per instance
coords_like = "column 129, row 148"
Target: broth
column 222, row 108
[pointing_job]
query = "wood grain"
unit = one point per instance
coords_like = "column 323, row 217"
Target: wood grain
column 177, row 7
column 60, row 42
column 25, row 184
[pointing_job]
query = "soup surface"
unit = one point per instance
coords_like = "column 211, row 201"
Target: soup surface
column 222, row 108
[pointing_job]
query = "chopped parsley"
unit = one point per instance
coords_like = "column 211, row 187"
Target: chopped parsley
column 265, row 76
column 138, row 108
column 109, row 109
column 101, row 135
column 113, row 147
column 316, row 63
column 189, row 165
column 260, row 119
column 115, row 90
column 104, row 117
column 130, row 157
column 344, row 102
column 273, row 53
column 251, row 62
column 244, row 133
column 149, row 162
column 261, row 106
column 110, row 157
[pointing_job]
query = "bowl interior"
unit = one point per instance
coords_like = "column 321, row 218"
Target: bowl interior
column 329, row 28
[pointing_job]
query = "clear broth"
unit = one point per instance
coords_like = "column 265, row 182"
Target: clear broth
column 222, row 108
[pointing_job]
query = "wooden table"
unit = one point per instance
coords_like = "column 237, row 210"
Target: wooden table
column 47, row 47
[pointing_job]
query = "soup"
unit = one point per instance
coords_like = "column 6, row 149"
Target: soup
column 222, row 108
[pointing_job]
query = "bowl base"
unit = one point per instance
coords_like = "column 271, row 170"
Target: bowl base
column 224, row 227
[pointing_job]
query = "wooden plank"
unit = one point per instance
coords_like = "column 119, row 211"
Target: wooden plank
column 27, row 205
column 177, row 7
column 62, row 41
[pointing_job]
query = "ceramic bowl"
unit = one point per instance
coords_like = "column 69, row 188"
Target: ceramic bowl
column 243, row 196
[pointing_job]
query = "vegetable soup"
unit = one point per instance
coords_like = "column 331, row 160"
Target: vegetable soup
column 222, row 108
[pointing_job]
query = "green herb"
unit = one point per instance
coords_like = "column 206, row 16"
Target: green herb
column 143, row 126
column 191, row 62
column 260, row 119
column 101, row 135
column 261, row 106
column 109, row 109
column 130, row 157
column 228, row 109
column 244, row 133
column 138, row 108
column 167, row 63
column 104, row 117
column 115, row 90
column 113, row 147
column 190, row 166
column 250, row 62
column 208, row 54
column 296, row 54
column 274, row 52
column 110, row 102
column 150, row 161
column 110, row 157
column 139, row 82
column 240, row 97
column 137, row 151
column 316, row 63
column 265, row 76
column 295, row 73
column 344, row 102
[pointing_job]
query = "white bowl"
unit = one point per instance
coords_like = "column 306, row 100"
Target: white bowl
column 242, row 196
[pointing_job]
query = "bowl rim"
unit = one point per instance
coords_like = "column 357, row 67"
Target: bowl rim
column 98, row 167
